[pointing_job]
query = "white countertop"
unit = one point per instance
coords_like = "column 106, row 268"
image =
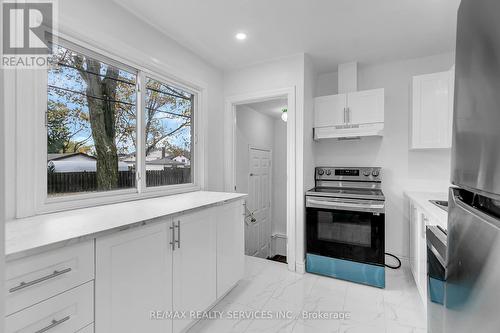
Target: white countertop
column 434, row 212
column 23, row 236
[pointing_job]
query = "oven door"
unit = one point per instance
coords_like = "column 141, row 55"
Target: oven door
column 346, row 229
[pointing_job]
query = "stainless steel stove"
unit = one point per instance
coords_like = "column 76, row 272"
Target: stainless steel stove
column 345, row 225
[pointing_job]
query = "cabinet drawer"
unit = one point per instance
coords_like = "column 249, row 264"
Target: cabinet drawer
column 33, row 279
column 64, row 313
column 87, row 329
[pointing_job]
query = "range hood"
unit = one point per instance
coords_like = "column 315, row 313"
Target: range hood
column 351, row 114
column 349, row 132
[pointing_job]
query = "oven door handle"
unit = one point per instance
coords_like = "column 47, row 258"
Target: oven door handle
column 339, row 204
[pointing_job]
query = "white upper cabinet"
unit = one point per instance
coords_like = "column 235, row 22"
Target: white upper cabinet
column 365, row 107
column 354, row 108
column 432, row 110
column 330, row 110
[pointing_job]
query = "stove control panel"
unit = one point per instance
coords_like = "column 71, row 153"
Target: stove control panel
column 352, row 174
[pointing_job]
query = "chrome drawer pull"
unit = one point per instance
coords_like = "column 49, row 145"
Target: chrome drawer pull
column 178, row 241
column 23, row 285
column 53, row 324
column 172, row 227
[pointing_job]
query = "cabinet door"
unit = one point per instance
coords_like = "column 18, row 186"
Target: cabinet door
column 330, row 110
column 133, row 278
column 194, row 285
column 230, row 246
column 432, row 111
column 365, row 107
column 422, row 257
column 414, row 240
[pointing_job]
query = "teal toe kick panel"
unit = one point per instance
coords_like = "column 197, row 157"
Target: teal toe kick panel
column 371, row 275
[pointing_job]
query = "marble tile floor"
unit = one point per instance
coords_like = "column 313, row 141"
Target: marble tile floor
column 268, row 288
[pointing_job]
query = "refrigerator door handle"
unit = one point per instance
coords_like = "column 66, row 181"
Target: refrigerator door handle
column 474, row 211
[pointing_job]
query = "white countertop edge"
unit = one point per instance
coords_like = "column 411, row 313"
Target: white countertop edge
column 422, row 198
column 35, row 234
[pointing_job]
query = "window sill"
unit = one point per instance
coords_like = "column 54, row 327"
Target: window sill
column 59, row 204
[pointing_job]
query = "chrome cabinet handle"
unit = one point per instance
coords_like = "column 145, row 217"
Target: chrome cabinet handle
column 348, row 115
column 172, row 227
column 53, row 324
column 178, row 241
column 23, row 284
column 345, row 117
column 424, row 220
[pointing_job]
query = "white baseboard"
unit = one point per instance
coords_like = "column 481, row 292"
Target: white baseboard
column 300, row 267
column 278, row 244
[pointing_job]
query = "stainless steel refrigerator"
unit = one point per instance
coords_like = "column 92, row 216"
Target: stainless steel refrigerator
column 472, row 297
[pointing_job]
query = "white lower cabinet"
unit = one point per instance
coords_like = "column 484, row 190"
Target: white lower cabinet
column 134, row 279
column 174, row 266
column 35, row 278
column 413, row 239
column 230, row 246
column 419, row 220
column 87, row 329
column 65, row 313
column 143, row 276
column 194, row 268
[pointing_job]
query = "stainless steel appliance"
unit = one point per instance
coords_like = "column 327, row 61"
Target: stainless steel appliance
column 436, row 277
column 473, row 269
column 440, row 203
column 345, row 225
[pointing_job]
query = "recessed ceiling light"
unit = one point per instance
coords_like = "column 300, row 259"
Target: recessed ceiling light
column 241, row 36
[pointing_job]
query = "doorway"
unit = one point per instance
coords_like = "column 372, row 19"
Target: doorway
column 260, row 169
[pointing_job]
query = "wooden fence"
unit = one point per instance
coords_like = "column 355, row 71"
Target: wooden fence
column 71, row 182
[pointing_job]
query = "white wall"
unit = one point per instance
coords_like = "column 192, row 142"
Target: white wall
column 402, row 169
column 308, row 159
column 117, row 31
column 279, row 186
column 327, row 84
column 278, row 74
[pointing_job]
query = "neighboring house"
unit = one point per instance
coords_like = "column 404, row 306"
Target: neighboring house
column 76, row 162
column 162, row 163
column 157, row 159
column 182, row 159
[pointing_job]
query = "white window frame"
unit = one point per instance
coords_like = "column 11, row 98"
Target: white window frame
column 31, row 160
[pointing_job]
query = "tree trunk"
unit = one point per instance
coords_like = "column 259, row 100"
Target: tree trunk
column 102, row 114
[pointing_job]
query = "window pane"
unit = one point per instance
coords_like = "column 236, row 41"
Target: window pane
column 169, row 133
column 91, row 125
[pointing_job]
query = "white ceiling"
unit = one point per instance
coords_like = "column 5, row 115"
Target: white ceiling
column 272, row 107
column 331, row 31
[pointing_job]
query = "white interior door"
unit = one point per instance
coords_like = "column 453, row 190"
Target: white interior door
column 258, row 232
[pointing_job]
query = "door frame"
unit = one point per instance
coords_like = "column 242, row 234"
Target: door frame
column 230, row 154
column 270, row 151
